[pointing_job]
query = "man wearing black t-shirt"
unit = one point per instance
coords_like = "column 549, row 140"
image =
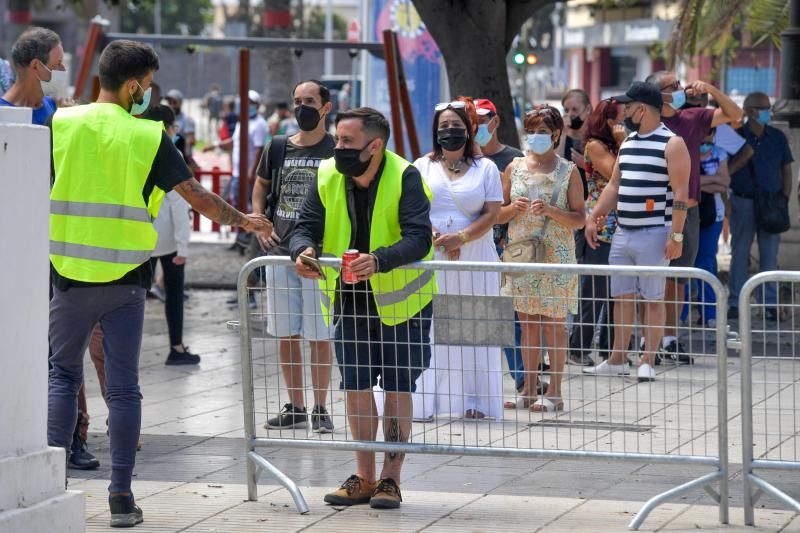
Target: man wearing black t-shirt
column 294, row 308
column 99, row 232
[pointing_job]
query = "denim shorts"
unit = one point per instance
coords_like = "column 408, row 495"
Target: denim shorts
column 367, row 349
column 639, row 247
column 293, row 305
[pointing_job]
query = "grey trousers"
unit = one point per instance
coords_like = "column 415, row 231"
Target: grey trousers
column 73, row 314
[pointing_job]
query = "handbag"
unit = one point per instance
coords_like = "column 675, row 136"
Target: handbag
column 771, row 208
column 533, row 249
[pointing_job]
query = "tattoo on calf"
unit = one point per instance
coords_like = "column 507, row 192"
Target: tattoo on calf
column 677, row 205
column 393, row 434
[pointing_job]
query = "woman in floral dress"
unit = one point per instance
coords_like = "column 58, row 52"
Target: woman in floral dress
column 543, row 300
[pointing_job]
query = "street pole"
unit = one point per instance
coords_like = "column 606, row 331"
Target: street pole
column 328, row 66
column 788, row 106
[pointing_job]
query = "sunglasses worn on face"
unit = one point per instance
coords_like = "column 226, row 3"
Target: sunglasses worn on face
column 455, row 105
column 675, row 85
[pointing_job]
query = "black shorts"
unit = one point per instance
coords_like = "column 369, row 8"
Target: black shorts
column 367, row 348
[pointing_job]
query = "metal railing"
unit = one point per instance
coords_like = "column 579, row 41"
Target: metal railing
column 681, row 417
column 210, row 179
column 770, row 384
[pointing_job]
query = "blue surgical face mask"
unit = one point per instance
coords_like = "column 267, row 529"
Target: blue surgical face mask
column 764, row 116
column 137, row 108
column 706, row 147
column 253, row 109
column 175, row 138
column 678, row 99
column 483, row 136
column 539, row 143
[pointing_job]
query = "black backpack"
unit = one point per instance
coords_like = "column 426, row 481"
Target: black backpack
column 275, row 156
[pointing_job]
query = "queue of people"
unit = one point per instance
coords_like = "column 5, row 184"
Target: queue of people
column 638, row 179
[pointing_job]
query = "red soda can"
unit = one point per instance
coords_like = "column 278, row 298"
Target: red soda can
column 347, row 274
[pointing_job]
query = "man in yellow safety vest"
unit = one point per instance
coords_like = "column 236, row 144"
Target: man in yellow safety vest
column 111, row 172
column 379, row 206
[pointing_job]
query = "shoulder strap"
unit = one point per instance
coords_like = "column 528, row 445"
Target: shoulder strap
column 559, row 183
column 275, row 157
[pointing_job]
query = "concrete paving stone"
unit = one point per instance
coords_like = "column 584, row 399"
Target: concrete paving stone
column 707, row 518
column 607, row 516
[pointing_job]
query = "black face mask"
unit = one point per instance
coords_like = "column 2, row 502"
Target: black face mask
column 630, row 125
column 307, row 117
column 349, row 163
column 575, row 123
column 452, row 139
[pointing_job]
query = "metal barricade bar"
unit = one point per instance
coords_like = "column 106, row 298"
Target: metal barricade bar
column 753, row 484
column 682, row 419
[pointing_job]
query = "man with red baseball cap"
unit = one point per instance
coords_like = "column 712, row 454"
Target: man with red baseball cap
column 501, row 155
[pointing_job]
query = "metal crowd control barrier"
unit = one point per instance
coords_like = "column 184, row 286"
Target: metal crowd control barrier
column 770, row 385
column 680, row 418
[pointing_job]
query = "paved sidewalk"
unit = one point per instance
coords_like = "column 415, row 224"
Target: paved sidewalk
column 190, row 471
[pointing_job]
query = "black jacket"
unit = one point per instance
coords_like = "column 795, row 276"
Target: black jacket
column 414, row 215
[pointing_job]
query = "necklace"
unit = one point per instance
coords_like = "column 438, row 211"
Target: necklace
column 455, row 168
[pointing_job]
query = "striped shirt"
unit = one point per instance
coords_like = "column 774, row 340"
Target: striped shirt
column 645, row 194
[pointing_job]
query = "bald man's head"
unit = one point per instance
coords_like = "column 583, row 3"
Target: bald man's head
column 756, row 99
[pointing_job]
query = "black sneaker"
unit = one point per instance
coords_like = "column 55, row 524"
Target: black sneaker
column 182, row 358
column 320, row 420
column 80, row 458
column 124, row 511
column 580, row 359
column 291, row 417
column 674, row 353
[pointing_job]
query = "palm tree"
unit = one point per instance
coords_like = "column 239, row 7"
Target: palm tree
column 711, row 26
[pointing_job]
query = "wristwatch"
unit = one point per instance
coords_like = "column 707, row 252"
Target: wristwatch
column 677, row 237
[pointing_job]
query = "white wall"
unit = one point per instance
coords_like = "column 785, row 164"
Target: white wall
column 32, row 495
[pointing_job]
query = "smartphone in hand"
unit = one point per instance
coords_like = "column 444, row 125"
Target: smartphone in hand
column 313, row 264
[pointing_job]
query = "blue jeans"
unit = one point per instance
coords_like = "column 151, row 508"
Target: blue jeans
column 514, row 356
column 73, row 313
column 707, row 260
column 743, row 231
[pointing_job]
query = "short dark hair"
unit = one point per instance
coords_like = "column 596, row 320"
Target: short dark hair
column 324, row 92
column 547, row 115
column 34, row 43
column 122, row 60
column 160, row 113
column 372, row 121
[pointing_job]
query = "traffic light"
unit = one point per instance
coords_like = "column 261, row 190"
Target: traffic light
column 531, row 59
column 519, row 58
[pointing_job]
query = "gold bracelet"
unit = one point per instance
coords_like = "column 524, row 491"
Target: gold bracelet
column 463, row 236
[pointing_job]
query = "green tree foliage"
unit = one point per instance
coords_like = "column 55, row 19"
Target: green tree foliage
column 185, row 17
column 315, row 26
column 714, row 27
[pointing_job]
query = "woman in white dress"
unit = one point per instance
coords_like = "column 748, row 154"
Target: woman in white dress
column 467, row 195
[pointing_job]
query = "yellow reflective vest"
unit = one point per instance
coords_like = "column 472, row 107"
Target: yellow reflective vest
column 100, row 226
column 399, row 294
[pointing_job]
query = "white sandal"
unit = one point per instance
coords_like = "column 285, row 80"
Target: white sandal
column 547, row 405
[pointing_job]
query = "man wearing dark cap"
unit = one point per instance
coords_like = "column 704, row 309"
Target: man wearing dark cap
column 649, row 188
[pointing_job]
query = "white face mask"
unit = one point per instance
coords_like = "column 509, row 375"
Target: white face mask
column 58, row 85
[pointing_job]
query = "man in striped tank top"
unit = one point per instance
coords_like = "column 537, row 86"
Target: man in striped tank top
column 649, row 188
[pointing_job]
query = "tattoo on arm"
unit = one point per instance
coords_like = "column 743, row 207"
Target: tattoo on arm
column 677, row 205
column 393, row 434
column 209, row 204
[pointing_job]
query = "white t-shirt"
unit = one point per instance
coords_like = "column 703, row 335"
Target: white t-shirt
column 258, row 131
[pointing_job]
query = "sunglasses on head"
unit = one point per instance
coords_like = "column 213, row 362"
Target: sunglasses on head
column 543, row 111
column 675, row 85
column 455, row 105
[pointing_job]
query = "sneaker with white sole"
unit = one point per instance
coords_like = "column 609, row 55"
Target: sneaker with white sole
column 646, row 373
column 606, row 369
column 320, row 420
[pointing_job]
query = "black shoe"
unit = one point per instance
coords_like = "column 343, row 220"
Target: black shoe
column 771, row 314
column 674, row 353
column 320, row 420
column 733, row 313
column 80, row 458
column 182, row 358
column 291, row 417
column 124, row 511
column 580, row 359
